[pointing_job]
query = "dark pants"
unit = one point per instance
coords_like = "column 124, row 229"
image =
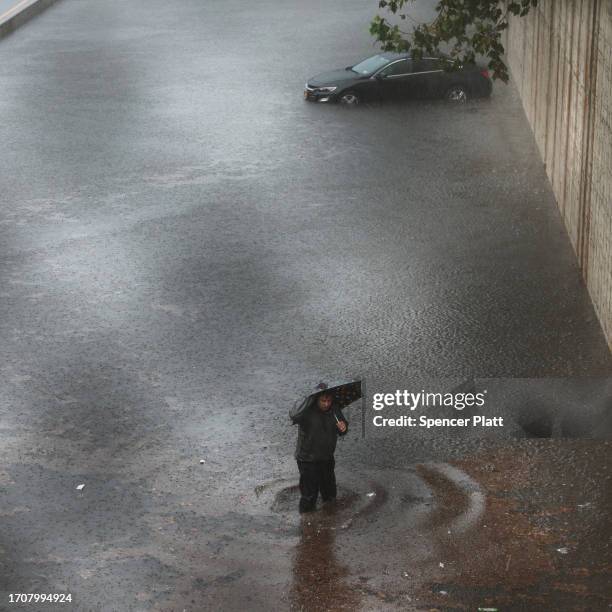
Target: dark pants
column 316, row 476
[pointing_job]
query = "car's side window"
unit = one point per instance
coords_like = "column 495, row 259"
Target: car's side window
column 426, row 65
column 397, row 68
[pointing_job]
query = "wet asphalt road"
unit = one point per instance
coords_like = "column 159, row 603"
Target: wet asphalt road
column 186, row 244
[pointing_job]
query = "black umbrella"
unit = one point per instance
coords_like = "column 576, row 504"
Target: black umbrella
column 344, row 393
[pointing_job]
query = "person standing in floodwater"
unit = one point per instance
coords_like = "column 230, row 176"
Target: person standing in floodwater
column 320, row 423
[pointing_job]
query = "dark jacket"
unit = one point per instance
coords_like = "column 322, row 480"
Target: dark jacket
column 318, row 430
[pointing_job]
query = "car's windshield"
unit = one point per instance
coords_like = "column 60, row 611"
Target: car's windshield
column 370, row 65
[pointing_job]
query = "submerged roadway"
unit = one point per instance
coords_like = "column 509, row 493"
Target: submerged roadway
column 185, row 244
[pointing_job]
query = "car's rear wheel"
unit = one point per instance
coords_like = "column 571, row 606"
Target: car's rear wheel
column 456, row 93
column 349, row 98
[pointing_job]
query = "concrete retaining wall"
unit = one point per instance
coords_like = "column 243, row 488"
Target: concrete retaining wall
column 21, row 13
column 560, row 56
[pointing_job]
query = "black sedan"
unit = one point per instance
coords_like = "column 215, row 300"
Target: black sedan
column 398, row 76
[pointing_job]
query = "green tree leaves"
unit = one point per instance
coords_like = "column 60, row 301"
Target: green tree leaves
column 461, row 28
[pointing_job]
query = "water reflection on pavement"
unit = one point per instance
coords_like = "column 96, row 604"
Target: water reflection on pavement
column 319, row 578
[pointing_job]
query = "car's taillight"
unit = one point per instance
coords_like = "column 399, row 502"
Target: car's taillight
column 485, row 73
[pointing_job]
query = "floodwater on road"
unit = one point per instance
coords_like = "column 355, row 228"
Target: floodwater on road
column 202, row 514
column 185, row 245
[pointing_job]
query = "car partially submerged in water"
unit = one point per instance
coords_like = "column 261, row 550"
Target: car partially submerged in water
column 397, row 76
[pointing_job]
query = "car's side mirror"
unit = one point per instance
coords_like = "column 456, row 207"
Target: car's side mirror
column 380, row 76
